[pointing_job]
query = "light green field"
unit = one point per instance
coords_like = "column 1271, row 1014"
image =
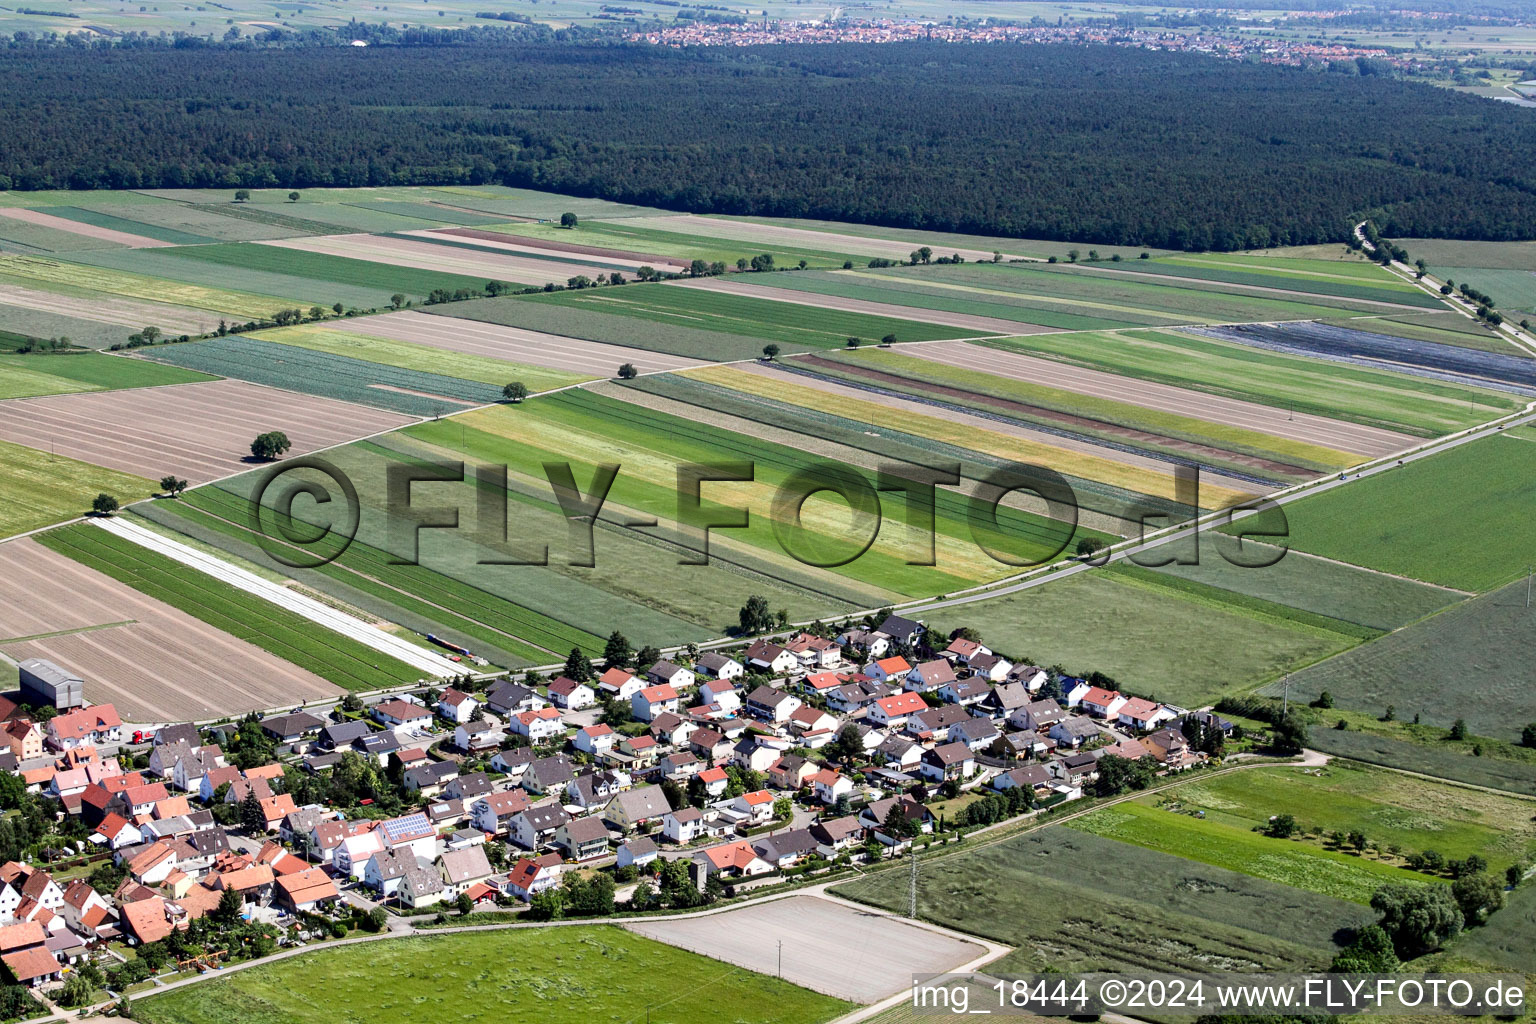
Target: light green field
column 24, row 376
column 420, row 357
column 545, row 976
column 1298, row 865
column 139, row 286
column 38, row 489
column 944, row 241
column 1511, row 289
column 1440, row 253
column 1450, row 519
column 634, row 236
column 1375, row 397
column 1153, row 642
column 1390, row 808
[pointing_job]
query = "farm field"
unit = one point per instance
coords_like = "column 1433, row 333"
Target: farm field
column 1362, row 283
column 1342, row 592
column 283, row 633
column 482, row 263
column 1142, row 910
column 352, row 340
column 969, row 322
column 1398, row 522
column 27, row 235
column 104, row 319
column 57, row 275
column 637, row 236
column 1513, row 289
column 156, row 662
column 22, row 376
column 197, row 431
column 942, row 242
column 829, row 947
column 767, row 231
column 1440, row 253
column 322, row 373
column 1506, row 939
column 566, row 975
column 1106, row 480
column 442, row 334
column 1154, row 642
column 1426, row 669
column 135, row 233
column 1377, row 398
column 1282, row 861
column 1437, row 328
column 1113, row 409
column 21, row 321
column 1439, row 758
column 38, row 489
column 326, row 272
column 100, row 230
column 1390, row 808
column 550, row 251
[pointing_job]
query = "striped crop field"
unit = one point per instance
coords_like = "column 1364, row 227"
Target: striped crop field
column 83, row 279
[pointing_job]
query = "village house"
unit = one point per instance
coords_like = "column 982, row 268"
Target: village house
column 535, row 826
column 24, row 737
column 465, row 867
column 769, row 657
column 637, row 853
column 653, row 701
column 594, row 739
column 508, row 698
column 893, row 670
column 493, row 813
column 629, row 810
column 666, row 673
column 94, row 726
column 570, row 695
column 829, row 786
column 1075, row 731
column 732, row 860
column 474, row 737
column 903, row 631
column 866, row 642
column 976, row 733
column 932, row 724
column 813, row 652
column 1037, row 716
column 583, row 838
column 930, row 675
column 541, row 726
column 966, row 692
column 785, row 849
column 1143, row 715
column 456, row 706
column 719, row 666
column 402, row 716
column 772, row 705
column 619, row 684
column 532, row 875
column 948, row 762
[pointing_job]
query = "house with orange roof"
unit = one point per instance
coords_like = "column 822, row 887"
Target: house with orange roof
column 116, row 832
column 532, row 875
column 32, row 967
column 894, row 669
column 275, row 808
column 757, row 806
column 732, row 860
column 895, row 710
column 94, row 726
column 153, row 864
column 24, row 737
column 306, row 891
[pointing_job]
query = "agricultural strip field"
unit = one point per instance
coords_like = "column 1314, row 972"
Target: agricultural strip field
column 1443, row 252
column 1128, row 300
column 1313, row 440
column 1371, row 397
column 1176, row 645
column 1390, row 808
column 129, row 316
column 96, row 233
column 969, row 322
column 345, row 662
column 38, row 489
column 87, row 281
column 1448, row 328
column 545, row 316
column 444, row 333
column 943, row 243
column 322, row 373
column 829, row 947
column 1362, row 283
column 1467, row 662
column 326, row 272
column 38, row 323
column 22, row 376
column 352, row 340
column 495, row 240
column 1400, row 522
column 128, row 228
column 1438, row 758
column 483, row 264
column 1338, row 591
column 30, row 237
column 638, row 237
column 198, row 431
column 218, row 222
column 1304, row 866
column 568, row 975
column 1514, row 289
column 753, row 232
column 153, row 660
column 799, row 327
column 979, row 444
column 1073, row 901
column 1404, row 355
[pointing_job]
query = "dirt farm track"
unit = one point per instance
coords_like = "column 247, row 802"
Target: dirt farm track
column 155, row 663
column 197, row 431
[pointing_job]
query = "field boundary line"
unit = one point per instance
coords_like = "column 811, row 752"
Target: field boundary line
column 67, row 632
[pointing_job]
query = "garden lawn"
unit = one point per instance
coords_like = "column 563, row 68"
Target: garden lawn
column 38, row 489
column 1390, row 808
column 1285, row 861
column 288, row 635
column 1074, row 901
column 1174, row 646
column 1377, row 398
column 1458, row 519
column 420, row 358
column 569, row 975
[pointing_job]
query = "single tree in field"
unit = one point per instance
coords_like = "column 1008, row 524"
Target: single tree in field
column 397, row 300
column 855, row 342
column 515, row 391
column 1458, row 730
column 150, row 334
column 770, row 351
column 617, row 652
column 698, row 268
column 888, row 340
column 104, row 504
column 293, row 197
column 317, row 312
column 628, row 372
column 270, row 445
column 568, row 220
column 1073, row 254
column 338, row 309
column 243, row 195
column 172, row 485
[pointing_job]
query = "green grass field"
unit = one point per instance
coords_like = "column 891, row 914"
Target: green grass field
column 278, row 631
column 1506, row 939
column 326, row 272
column 1430, row 755
column 544, row 976
column 1390, row 808
column 1467, row 662
column 1286, row 862
column 1374, row 397
column 636, row 236
column 943, row 241
column 419, row 358
column 100, row 219
column 1152, row 641
column 92, row 279
column 1443, row 252
column 38, row 489
column 1511, row 289
column 1318, row 279
column 1073, row 901
column 1448, row 520
column 59, row 373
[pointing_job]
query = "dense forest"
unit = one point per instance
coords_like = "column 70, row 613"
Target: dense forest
column 1098, row 144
